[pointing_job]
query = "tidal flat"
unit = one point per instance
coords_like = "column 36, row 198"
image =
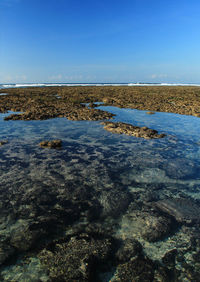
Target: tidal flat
column 103, row 206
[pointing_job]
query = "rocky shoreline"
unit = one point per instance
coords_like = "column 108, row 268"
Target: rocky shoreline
column 72, row 218
column 50, row 102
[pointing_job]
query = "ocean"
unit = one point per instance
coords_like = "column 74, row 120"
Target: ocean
column 16, row 85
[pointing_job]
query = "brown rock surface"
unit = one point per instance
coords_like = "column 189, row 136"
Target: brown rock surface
column 128, row 129
column 42, row 102
column 51, row 144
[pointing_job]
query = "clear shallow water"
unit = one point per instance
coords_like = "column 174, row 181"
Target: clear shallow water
column 99, row 169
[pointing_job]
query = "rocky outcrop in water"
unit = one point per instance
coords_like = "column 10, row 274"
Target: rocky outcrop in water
column 182, row 209
column 54, row 144
column 128, row 129
column 3, row 142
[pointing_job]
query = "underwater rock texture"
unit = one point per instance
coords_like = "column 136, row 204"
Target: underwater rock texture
column 137, row 269
column 183, row 210
column 77, row 259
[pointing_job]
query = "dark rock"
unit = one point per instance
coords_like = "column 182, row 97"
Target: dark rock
column 92, row 105
column 156, row 228
column 3, row 142
column 163, row 274
column 169, row 257
column 54, row 144
column 114, row 202
column 128, row 249
column 77, row 259
column 138, row 270
column 22, row 238
column 128, row 129
column 183, row 210
column 6, row 252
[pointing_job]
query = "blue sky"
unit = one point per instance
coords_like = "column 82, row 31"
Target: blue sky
column 99, row 41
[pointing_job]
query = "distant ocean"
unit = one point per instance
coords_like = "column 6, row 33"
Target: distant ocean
column 15, row 85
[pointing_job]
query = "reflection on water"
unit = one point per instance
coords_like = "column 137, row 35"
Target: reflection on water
column 102, row 183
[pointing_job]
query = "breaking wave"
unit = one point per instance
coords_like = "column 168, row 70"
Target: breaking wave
column 20, row 85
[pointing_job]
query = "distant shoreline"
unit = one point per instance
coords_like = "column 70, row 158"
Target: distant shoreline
column 24, row 85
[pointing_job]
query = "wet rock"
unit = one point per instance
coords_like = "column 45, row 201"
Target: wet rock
column 137, row 269
column 147, row 223
column 156, row 228
column 6, row 252
column 128, row 249
column 3, row 142
column 22, row 238
column 92, row 105
column 54, row 144
column 114, row 202
column 183, row 210
column 150, row 113
column 88, row 114
column 128, row 129
column 13, row 117
column 77, row 259
column 169, row 258
column 165, row 274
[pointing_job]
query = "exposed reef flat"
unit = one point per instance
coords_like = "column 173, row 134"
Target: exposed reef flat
column 54, row 144
column 37, row 103
column 128, row 129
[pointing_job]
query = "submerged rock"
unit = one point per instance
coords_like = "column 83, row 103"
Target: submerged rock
column 139, row 269
column 54, row 144
column 128, row 129
column 128, row 249
column 183, row 210
column 114, row 202
column 22, row 238
column 3, row 142
column 169, row 258
column 77, row 259
column 156, row 228
column 6, row 251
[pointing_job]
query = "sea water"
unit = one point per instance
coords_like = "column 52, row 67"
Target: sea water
column 99, row 160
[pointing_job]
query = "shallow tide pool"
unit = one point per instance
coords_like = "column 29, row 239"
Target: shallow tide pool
column 100, row 182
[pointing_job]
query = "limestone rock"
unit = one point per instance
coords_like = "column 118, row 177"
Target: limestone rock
column 128, row 129
column 54, row 144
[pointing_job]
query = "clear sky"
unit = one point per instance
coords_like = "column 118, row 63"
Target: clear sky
column 100, row 41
